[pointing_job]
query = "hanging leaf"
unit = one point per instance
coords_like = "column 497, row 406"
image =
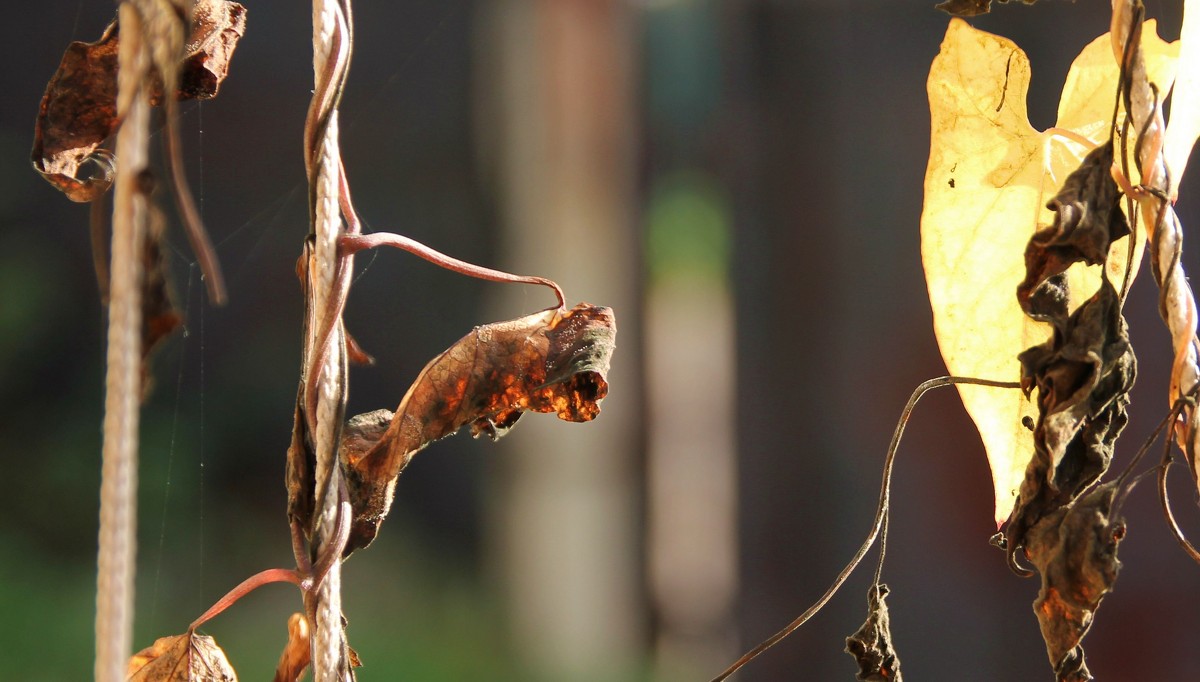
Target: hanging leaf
column 552, row 361
column 1083, row 375
column 872, row 645
column 297, row 654
column 989, row 176
column 1075, row 550
column 79, row 108
column 970, row 8
column 1184, row 126
column 181, row 658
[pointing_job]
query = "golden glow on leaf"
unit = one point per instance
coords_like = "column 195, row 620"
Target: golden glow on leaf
column 989, row 177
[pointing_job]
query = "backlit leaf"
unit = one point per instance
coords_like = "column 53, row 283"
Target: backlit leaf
column 989, row 177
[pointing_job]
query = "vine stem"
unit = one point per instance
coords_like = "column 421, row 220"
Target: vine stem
column 325, row 349
column 1164, row 233
column 118, row 484
column 880, row 523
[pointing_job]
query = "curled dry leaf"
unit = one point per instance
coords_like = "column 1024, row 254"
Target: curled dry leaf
column 872, row 646
column 1083, row 375
column 297, row 654
column 181, row 658
column 79, row 108
column 552, row 361
column 1075, row 550
column 971, row 8
column 986, row 185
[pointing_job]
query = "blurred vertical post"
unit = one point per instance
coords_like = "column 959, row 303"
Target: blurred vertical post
column 556, row 119
column 691, row 463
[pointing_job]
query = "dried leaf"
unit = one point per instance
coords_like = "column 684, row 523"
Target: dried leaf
column 159, row 316
column 79, row 108
column 552, row 361
column 1083, row 375
column 1087, row 221
column 181, row 658
column 970, row 8
column 986, row 184
column 1075, row 550
column 297, row 654
column 872, row 646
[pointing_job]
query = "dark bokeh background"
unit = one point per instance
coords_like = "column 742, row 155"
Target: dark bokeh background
column 808, row 122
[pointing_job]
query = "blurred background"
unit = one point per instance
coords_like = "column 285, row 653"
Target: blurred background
column 740, row 180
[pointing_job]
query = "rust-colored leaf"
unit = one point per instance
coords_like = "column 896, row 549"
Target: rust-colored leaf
column 297, row 654
column 181, row 658
column 1075, row 550
column 79, row 108
column 872, row 645
column 552, row 361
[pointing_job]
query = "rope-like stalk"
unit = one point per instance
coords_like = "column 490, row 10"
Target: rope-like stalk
column 118, row 484
column 1164, row 234
column 326, row 356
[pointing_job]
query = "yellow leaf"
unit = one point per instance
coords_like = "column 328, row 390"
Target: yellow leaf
column 1185, row 100
column 989, row 177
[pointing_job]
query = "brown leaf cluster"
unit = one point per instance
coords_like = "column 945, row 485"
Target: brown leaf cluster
column 181, row 658
column 552, row 361
column 1084, row 372
column 871, row 646
column 79, row 108
column 1075, row 550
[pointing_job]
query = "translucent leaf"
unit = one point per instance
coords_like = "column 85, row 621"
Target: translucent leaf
column 989, row 177
column 1185, row 100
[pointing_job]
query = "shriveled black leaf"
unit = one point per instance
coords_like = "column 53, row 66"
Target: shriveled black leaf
column 970, row 8
column 871, row 646
column 1083, row 375
column 1087, row 220
column 1075, row 550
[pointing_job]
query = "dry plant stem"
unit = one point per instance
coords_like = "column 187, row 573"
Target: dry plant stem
column 881, row 514
column 271, row 575
column 1163, row 231
column 305, row 577
column 118, row 485
column 192, row 224
column 1165, row 501
column 326, row 359
column 354, row 243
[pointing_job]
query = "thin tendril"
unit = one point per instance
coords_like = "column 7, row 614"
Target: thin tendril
column 881, row 512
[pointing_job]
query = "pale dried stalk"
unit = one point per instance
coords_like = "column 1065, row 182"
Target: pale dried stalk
column 326, row 358
column 1164, row 234
column 118, row 484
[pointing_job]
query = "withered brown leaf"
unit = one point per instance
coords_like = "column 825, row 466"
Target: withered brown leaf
column 1075, row 550
column 970, row 8
column 1083, row 375
column 297, row 654
column 159, row 316
column 1087, row 220
column 79, row 108
column 871, row 646
column 181, row 658
column 552, row 361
